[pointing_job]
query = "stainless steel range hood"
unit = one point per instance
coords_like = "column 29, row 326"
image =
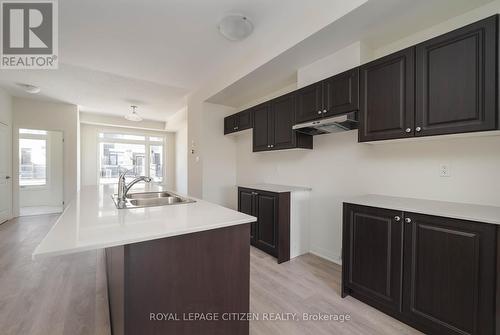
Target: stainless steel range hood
column 333, row 124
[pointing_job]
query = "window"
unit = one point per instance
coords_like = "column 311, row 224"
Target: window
column 141, row 155
column 32, row 158
column 156, row 163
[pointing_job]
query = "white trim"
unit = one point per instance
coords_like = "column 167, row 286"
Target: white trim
column 322, row 253
column 103, row 124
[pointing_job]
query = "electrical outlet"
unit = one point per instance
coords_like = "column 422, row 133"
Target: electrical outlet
column 444, row 170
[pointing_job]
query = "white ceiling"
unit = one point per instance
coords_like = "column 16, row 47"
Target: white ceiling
column 153, row 53
column 114, row 53
column 375, row 23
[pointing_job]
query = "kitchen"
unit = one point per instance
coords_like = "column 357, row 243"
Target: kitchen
column 386, row 222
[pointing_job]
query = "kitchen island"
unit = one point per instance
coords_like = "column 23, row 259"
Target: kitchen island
column 174, row 269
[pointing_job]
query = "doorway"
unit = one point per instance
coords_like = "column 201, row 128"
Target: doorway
column 40, row 172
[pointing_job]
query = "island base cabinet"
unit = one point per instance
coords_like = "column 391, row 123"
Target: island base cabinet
column 436, row 274
column 160, row 286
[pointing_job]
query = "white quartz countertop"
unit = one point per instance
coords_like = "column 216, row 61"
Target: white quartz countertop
column 275, row 188
column 92, row 221
column 463, row 211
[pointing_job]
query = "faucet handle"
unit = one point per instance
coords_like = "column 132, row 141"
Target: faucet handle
column 123, row 173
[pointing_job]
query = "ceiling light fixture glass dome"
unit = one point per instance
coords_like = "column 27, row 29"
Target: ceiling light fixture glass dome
column 133, row 116
column 235, row 27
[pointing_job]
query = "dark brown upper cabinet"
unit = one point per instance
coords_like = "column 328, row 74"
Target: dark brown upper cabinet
column 309, row 103
column 456, row 81
column 273, row 126
column 261, row 127
column 387, row 97
column 446, row 85
column 238, row 122
column 341, row 93
column 335, row 95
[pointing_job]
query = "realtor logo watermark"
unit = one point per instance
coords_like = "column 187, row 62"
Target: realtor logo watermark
column 29, row 35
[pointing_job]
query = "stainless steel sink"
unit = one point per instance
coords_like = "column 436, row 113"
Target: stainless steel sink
column 150, row 199
column 149, row 195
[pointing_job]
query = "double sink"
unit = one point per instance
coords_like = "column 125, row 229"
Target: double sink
column 150, row 199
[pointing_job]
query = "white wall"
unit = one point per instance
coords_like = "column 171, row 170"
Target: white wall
column 181, row 155
column 451, row 24
column 219, row 167
column 6, row 118
column 52, row 193
column 36, row 114
column 344, row 59
column 339, row 167
column 89, row 152
column 211, row 156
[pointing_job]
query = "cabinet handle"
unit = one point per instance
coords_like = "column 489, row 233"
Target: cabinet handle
column 324, row 111
column 7, row 177
column 408, row 130
column 408, row 220
column 397, row 218
column 272, row 145
column 418, row 129
column 319, row 112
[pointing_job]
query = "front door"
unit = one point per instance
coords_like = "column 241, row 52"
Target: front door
column 5, row 175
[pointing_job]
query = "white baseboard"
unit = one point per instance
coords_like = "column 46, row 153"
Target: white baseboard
column 328, row 255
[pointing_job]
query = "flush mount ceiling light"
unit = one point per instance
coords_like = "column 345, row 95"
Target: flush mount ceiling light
column 235, row 27
column 133, row 116
column 30, row 88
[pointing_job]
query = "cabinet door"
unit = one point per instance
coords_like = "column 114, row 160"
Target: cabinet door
column 341, row 93
column 245, row 119
column 456, row 81
column 372, row 255
column 246, row 204
column 267, row 215
column 449, row 275
column 230, row 124
column 387, row 108
column 309, row 103
column 283, row 109
column 261, row 128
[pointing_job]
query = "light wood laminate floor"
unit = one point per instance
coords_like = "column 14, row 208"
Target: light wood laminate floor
column 67, row 294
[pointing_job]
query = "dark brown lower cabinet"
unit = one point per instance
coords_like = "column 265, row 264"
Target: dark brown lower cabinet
column 271, row 232
column 436, row 274
column 153, row 286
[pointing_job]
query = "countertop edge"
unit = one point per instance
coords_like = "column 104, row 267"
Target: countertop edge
column 275, row 188
column 40, row 255
column 417, row 209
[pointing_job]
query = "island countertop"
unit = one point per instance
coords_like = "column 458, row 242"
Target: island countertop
column 92, row 221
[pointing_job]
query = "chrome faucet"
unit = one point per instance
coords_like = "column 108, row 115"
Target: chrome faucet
column 123, row 188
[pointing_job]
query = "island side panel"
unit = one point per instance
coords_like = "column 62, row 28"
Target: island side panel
column 116, row 288
column 204, row 272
